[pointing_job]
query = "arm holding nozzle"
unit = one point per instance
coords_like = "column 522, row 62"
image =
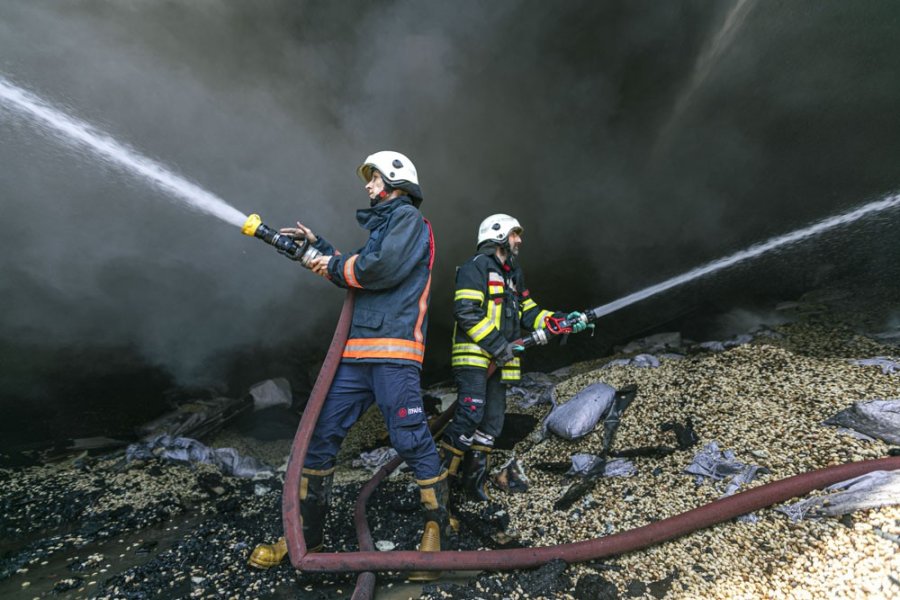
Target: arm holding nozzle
column 300, row 232
column 318, row 264
column 557, row 326
column 287, row 241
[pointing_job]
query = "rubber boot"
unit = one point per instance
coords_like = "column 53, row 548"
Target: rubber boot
column 315, row 496
column 451, row 459
column 435, row 493
column 475, row 468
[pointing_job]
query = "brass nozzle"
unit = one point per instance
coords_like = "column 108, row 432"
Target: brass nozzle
column 251, row 225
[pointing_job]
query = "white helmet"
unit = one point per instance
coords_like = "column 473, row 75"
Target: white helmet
column 496, row 228
column 396, row 170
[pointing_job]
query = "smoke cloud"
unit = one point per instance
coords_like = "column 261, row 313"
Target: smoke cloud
column 633, row 140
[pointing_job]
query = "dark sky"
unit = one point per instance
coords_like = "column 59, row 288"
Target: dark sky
column 634, row 140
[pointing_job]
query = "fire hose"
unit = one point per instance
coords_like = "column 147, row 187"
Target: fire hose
column 368, row 560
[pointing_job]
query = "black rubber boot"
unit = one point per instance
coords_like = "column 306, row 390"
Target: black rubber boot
column 451, row 459
column 475, row 468
column 315, row 496
column 435, row 493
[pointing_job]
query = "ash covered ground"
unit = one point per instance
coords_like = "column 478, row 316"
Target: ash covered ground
column 104, row 527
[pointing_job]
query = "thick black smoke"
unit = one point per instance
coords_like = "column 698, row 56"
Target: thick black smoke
column 634, row 140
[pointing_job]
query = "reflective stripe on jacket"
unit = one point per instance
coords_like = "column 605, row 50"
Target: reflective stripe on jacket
column 491, row 307
column 392, row 278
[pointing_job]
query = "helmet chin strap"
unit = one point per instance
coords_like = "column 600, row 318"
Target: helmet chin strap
column 384, row 193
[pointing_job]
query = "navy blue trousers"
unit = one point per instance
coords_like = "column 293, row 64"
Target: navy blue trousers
column 397, row 390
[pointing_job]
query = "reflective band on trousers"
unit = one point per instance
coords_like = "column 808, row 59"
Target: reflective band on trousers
column 510, row 374
column 463, row 348
column 384, row 348
column 467, row 360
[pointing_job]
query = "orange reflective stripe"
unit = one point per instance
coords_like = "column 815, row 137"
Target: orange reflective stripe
column 381, row 354
column 423, row 299
column 384, row 348
column 349, row 275
column 386, row 342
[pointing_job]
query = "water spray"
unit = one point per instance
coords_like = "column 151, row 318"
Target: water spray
column 555, row 327
column 80, row 134
column 889, row 203
column 303, row 252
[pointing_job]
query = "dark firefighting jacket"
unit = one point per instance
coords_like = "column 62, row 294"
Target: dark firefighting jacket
column 491, row 307
column 392, row 278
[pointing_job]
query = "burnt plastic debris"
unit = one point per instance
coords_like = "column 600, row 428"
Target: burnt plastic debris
column 641, row 361
column 713, row 464
column 872, row 490
column 685, row 438
column 511, row 477
column 887, row 365
column 196, row 418
column 874, row 418
column 535, row 388
column 621, row 401
column 586, row 465
column 684, row 434
column 643, row 452
column 188, row 450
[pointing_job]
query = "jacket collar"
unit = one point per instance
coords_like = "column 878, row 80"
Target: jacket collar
column 371, row 218
column 489, row 250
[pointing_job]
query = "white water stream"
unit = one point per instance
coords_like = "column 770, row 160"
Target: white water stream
column 752, row 252
column 77, row 133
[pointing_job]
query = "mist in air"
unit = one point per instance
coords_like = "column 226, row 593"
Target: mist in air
column 634, row 140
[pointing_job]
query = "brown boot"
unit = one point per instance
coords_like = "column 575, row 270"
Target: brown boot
column 315, row 496
column 451, row 458
column 435, row 494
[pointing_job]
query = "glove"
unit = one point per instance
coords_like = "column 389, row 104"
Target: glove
column 578, row 320
column 507, row 354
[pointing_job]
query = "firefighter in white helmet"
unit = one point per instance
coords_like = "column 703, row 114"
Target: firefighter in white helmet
column 491, row 308
column 382, row 359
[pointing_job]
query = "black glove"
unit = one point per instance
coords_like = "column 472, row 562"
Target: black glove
column 506, row 354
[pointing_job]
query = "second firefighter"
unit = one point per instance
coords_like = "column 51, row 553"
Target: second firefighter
column 491, row 308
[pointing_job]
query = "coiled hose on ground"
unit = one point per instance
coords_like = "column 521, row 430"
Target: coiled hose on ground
column 367, row 561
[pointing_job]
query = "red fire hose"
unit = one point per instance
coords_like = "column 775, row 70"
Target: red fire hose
column 368, row 560
column 290, row 501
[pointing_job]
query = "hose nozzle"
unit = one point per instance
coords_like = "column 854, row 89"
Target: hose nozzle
column 251, row 225
column 302, row 252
